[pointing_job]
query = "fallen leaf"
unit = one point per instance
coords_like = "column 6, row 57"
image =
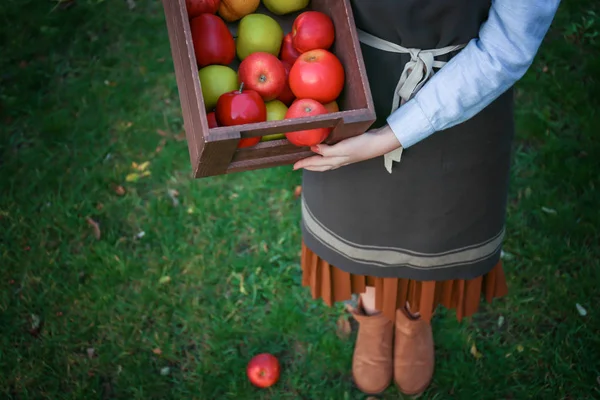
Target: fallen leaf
column 164, row 280
column 133, row 177
column 582, row 311
column 157, row 351
column 343, row 328
column 36, row 325
column 190, row 210
column 95, row 227
column 475, row 352
column 140, row 235
column 165, row 371
column 173, row 194
column 297, row 191
column 180, row 137
column 143, row 166
column 162, row 133
column 161, row 145
column 549, row 210
column 120, row 190
column 91, row 352
column 500, row 321
column 545, row 69
column 520, row 348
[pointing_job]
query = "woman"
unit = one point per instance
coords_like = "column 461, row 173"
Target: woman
column 415, row 218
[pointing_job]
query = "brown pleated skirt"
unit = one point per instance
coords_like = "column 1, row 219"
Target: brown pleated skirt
column 333, row 285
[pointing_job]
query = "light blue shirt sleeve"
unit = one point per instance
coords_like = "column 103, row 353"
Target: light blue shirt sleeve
column 487, row 67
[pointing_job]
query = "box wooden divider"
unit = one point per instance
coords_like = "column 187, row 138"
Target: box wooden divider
column 214, row 151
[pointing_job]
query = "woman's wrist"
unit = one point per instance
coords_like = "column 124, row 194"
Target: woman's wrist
column 382, row 141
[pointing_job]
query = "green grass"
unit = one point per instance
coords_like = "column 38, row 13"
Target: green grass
column 215, row 278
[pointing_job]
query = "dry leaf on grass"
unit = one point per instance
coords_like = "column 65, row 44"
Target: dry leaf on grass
column 95, row 227
column 134, row 176
column 520, row 348
column 475, row 353
column 173, row 194
column 119, row 190
column 157, row 351
column 161, row 145
column 298, row 191
column 343, row 327
column 162, row 133
column 140, row 167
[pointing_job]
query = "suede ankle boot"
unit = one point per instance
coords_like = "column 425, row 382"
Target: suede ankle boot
column 413, row 353
column 372, row 363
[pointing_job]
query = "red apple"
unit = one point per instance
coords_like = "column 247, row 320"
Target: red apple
column 263, row 370
column 240, row 107
column 213, row 43
column 306, row 108
column 288, row 51
column 197, row 7
column 312, row 30
column 317, row 74
column 212, row 120
column 263, row 73
column 287, row 96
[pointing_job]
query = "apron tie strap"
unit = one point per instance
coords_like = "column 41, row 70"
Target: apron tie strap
column 416, row 72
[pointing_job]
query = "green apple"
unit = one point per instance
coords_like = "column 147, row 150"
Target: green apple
column 276, row 111
column 216, row 80
column 258, row 32
column 281, row 7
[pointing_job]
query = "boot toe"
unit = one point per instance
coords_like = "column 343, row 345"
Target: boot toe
column 371, row 379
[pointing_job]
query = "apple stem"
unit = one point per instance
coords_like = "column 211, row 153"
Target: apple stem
column 241, row 87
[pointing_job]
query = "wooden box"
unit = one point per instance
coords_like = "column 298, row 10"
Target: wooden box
column 214, row 151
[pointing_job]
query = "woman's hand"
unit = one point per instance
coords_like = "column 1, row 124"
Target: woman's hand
column 369, row 145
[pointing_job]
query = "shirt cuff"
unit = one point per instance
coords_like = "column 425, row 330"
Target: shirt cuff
column 409, row 124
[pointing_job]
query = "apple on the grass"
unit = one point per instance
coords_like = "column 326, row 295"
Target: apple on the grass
column 312, row 30
column 263, row 73
column 317, row 74
column 263, row 370
column 197, row 7
column 308, row 137
column 213, row 43
column 239, row 107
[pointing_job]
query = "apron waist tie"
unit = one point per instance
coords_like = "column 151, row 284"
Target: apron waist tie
column 416, row 72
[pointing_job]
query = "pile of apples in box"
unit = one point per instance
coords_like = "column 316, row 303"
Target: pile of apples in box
column 279, row 76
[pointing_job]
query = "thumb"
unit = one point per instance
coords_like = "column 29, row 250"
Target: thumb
column 325, row 150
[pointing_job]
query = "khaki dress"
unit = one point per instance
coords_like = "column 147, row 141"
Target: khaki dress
column 431, row 231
